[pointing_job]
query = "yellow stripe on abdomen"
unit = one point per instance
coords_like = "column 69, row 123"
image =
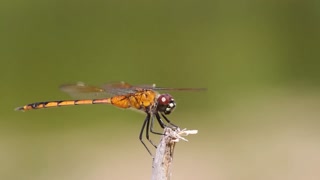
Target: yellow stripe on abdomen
column 49, row 104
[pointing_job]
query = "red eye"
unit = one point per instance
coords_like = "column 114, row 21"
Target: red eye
column 164, row 99
column 166, row 103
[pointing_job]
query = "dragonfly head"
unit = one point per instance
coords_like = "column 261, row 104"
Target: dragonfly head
column 165, row 103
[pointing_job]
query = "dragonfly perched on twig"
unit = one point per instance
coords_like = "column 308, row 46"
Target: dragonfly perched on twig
column 123, row 95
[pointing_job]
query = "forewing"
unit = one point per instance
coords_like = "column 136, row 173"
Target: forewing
column 120, row 88
column 83, row 91
column 178, row 89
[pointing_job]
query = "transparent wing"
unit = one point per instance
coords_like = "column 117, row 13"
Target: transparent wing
column 83, row 91
column 178, row 89
column 121, row 88
column 125, row 88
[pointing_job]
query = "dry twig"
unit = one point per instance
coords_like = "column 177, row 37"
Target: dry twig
column 162, row 162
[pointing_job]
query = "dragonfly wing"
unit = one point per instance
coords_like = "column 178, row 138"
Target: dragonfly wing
column 178, row 89
column 119, row 88
column 83, row 91
column 125, row 87
column 122, row 88
column 121, row 84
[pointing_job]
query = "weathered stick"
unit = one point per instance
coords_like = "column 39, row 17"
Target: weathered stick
column 162, row 162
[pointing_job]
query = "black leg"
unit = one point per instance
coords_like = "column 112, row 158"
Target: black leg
column 148, row 126
column 147, row 131
column 165, row 118
column 160, row 122
column 146, row 122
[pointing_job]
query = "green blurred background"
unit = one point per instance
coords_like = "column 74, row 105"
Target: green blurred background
column 259, row 60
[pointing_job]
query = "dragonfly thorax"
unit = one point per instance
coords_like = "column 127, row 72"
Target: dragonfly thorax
column 165, row 103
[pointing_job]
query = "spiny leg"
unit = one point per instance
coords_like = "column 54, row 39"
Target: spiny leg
column 165, row 118
column 146, row 121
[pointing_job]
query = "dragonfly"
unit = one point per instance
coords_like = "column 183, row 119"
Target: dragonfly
column 145, row 98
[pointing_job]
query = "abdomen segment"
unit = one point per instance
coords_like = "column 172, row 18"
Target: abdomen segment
column 49, row 104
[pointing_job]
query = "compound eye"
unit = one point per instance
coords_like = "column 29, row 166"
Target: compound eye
column 166, row 103
column 164, row 99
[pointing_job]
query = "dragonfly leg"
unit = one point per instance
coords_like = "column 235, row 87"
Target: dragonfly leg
column 165, row 118
column 160, row 122
column 147, row 131
column 146, row 122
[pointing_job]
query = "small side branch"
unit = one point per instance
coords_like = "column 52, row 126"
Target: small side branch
column 162, row 162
